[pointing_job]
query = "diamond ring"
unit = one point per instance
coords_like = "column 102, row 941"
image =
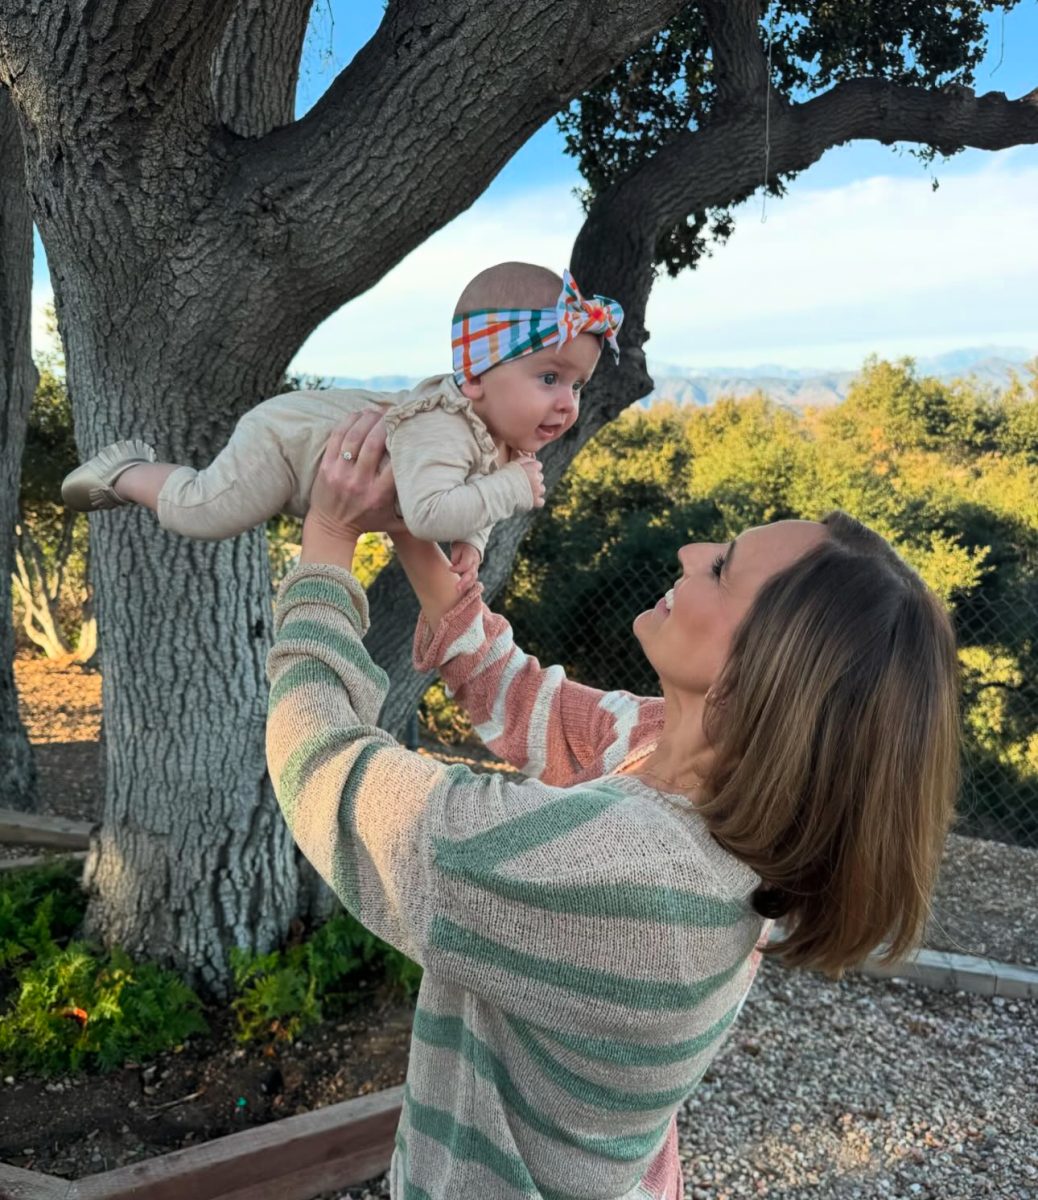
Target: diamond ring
column 347, row 456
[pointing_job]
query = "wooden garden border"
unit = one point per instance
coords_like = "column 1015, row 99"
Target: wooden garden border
column 295, row 1158
column 35, row 829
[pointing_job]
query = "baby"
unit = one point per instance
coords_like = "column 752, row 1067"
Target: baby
column 525, row 344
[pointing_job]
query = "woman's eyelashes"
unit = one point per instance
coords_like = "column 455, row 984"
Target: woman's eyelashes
column 717, row 566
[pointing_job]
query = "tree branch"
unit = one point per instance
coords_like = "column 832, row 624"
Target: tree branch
column 740, row 69
column 76, row 62
column 720, row 164
column 413, row 130
column 256, row 67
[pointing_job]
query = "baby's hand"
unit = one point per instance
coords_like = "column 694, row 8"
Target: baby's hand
column 535, row 474
column 465, row 564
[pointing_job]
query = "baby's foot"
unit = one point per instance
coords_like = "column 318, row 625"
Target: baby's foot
column 89, row 488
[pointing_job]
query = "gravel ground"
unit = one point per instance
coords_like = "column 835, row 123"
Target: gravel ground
column 985, row 902
column 862, row 1089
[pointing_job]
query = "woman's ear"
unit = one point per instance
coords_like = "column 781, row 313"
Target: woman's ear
column 473, row 388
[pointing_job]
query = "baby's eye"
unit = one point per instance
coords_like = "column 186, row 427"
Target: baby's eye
column 579, row 386
column 550, row 378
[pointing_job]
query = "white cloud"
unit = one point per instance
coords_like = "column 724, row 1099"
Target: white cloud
column 365, row 338
column 883, row 264
column 880, row 265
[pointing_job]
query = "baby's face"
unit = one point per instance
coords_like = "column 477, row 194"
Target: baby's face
column 531, row 401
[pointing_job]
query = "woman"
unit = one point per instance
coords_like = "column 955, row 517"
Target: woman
column 588, row 936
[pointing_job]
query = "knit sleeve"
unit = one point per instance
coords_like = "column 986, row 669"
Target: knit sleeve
column 541, row 900
column 547, row 726
column 442, row 496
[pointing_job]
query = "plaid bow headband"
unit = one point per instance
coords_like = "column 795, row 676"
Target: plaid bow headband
column 489, row 336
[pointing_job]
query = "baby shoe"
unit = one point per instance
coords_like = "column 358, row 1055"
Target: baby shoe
column 89, row 488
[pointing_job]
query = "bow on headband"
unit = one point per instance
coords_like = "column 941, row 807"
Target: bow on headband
column 484, row 338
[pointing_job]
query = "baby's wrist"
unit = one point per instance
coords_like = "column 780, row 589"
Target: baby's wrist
column 323, row 543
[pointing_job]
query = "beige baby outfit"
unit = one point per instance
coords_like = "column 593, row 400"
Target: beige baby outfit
column 449, row 484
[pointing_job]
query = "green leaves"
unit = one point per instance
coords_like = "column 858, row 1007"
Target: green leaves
column 71, row 1006
column 668, row 87
column 282, row 993
column 74, row 1008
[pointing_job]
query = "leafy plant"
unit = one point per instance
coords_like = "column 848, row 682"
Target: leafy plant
column 286, row 991
column 38, row 909
column 76, row 1009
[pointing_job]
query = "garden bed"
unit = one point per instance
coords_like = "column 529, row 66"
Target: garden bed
column 87, row 1123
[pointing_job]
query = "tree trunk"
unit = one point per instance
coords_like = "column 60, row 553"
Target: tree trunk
column 17, row 384
column 193, row 856
column 38, row 599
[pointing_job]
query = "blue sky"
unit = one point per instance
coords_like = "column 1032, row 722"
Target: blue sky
column 861, row 256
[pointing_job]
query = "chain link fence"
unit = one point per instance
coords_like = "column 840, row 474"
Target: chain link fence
column 998, row 649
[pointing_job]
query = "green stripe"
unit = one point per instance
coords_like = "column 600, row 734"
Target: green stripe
column 605, row 986
column 528, row 830
column 637, row 1054
column 411, row 1190
column 344, row 881
column 597, row 1094
column 294, row 775
column 302, row 674
column 467, row 1143
column 346, row 646
column 623, row 900
column 301, row 763
column 451, row 1033
column 323, row 591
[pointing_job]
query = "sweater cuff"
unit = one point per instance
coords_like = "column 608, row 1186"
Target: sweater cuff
column 432, row 647
column 322, row 583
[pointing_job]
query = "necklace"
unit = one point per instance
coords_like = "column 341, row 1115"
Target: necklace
column 670, row 784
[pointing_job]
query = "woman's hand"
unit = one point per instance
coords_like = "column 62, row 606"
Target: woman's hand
column 353, row 492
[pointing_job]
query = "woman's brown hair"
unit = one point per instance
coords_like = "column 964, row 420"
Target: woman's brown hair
column 835, row 726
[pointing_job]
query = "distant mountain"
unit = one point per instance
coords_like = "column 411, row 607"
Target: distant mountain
column 795, row 387
column 377, row 383
column 990, row 366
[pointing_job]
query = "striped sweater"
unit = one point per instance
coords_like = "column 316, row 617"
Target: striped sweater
column 586, row 944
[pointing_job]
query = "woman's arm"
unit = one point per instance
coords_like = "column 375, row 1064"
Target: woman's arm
column 539, row 899
column 531, row 716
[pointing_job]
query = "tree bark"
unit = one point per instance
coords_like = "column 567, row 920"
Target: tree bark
column 17, row 384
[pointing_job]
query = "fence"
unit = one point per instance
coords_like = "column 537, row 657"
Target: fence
column 998, row 637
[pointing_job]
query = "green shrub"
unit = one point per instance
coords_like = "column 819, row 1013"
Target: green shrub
column 442, row 717
column 288, row 990
column 76, row 1009
column 39, row 909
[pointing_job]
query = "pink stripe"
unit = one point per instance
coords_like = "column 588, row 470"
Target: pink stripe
column 664, row 1181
